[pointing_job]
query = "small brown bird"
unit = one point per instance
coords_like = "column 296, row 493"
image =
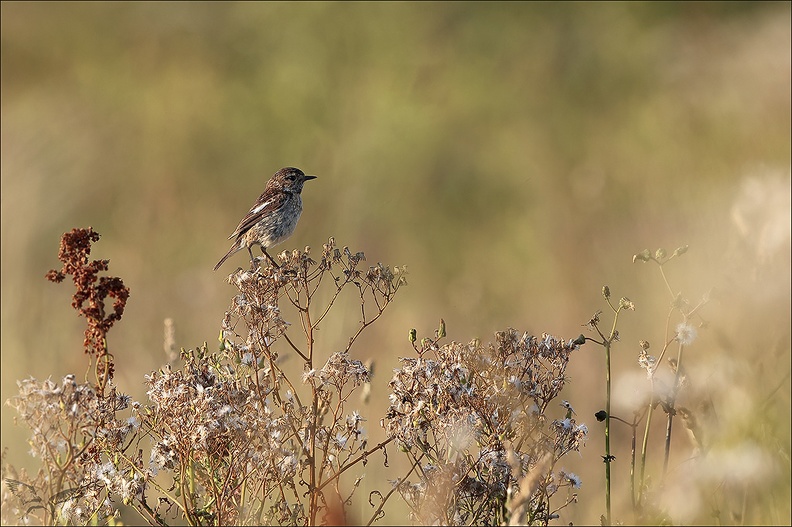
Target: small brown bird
column 273, row 216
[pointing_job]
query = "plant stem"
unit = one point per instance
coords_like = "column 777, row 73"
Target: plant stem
column 671, row 410
column 608, row 342
column 607, row 432
column 644, row 445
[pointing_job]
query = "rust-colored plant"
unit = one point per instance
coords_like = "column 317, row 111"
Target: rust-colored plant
column 89, row 299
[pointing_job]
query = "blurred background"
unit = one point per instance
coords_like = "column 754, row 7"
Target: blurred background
column 514, row 156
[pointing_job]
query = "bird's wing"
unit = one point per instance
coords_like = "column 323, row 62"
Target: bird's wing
column 265, row 205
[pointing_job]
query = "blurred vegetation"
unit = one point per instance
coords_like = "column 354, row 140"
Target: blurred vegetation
column 514, row 156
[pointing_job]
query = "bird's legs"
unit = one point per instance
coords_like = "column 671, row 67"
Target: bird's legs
column 252, row 258
column 265, row 253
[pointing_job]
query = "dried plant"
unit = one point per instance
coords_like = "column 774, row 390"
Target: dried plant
column 476, row 420
column 245, row 443
column 73, row 426
column 73, row 423
column 233, row 437
column 89, row 300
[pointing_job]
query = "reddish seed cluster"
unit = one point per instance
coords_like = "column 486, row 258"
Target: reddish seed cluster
column 92, row 291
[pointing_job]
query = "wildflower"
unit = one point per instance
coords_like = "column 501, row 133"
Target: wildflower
column 354, row 419
column 573, row 478
column 686, row 334
column 647, row 362
column 308, row 375
column 247, row 359
column 123, row 400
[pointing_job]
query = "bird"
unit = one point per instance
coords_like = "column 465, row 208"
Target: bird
column 273, row 217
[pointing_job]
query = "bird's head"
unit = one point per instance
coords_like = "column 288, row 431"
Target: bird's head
column 289, row 179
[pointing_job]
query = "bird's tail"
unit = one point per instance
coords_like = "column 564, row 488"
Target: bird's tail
column 234, row 248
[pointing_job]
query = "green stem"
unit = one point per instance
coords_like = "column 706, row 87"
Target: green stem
column 607, row 432
column 608, row 342
column 632, row 463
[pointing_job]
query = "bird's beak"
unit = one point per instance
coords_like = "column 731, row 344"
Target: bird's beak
column 309, row 177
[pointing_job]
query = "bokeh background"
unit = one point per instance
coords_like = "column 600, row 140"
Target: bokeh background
column 514, row 156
